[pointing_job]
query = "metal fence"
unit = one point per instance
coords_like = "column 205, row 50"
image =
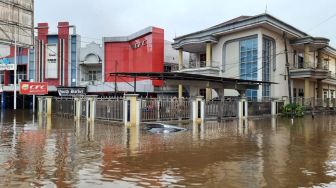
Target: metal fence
column 309, row 103
column 259, row 108
column 110, row 109
column 221, row 108
column 161, row 109
column 63, row 106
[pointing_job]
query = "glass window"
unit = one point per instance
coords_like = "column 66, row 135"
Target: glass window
column 332, row 94
column 248, row 63
column 325, row 94
column 93, row 75
column 267, row 59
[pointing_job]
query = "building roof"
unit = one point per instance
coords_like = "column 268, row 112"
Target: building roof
column 246, row 21
column 130, row 37
column 187, row 76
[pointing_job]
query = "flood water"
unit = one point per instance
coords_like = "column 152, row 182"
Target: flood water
column 268, row 152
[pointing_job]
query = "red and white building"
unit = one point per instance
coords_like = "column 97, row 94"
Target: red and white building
column 142, row 51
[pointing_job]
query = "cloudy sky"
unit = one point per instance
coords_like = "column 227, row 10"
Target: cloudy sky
column 97, row 18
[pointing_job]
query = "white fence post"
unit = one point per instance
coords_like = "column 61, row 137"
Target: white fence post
column 198, row 109
column 274, row 107
column 132, row 110
column 78, row 108
column 243, row 108
column 48, row 99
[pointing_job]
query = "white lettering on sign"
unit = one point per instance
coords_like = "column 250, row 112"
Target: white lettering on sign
column 139, row 44
column 7, row 67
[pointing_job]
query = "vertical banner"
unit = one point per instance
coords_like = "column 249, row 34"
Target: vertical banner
column 51, row 69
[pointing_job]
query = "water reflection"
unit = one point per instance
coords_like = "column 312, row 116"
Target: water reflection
column 266, row 152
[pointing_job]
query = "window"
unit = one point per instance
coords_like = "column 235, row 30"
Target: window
column 301, row 93
column 21, row 73
column 202, row 60
column 248, row 63
column 300, row 61
column 167, row 68
column 93, row 75
column 267, row 58
column 332, row 92
column 325, row 94
column 294, row 92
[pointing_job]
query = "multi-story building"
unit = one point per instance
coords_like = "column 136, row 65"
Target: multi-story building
column 57, row 56
column 253, row 48
column 90, row 65
column 16, row 29
column 139, row 52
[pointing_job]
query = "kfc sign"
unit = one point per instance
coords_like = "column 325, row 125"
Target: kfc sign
column 33, row 88
column 139, row 44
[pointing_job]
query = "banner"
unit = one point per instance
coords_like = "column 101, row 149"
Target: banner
column 71, row 91
column 51, row 63
column 33, row 88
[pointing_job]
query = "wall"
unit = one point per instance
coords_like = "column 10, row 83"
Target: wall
column 124, row 57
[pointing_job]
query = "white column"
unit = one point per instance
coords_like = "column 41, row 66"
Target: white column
column 243, row 108
column 198, row 109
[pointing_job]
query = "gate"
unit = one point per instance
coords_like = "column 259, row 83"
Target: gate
column 110, row 109
column 162, row 109
column 256, row 108
column 221, row 108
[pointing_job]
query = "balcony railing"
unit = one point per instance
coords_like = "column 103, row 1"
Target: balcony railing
column 310, row 65
column 200, row 64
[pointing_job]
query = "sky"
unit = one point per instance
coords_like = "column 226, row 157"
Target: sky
column 95, row 19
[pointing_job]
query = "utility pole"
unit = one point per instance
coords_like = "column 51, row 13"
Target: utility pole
column 15, row 64
column 115, row 78
column 287, row 68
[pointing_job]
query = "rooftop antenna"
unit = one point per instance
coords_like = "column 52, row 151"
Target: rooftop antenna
column 266, row 9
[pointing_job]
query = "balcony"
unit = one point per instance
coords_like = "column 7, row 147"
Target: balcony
column 200, row 67
column 309, row 70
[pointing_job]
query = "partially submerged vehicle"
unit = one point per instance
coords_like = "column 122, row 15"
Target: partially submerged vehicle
column 161, row 128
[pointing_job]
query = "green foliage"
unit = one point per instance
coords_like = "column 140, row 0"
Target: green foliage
column 295, row 109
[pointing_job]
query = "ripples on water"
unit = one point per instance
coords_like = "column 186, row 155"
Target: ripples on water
column 267, row 152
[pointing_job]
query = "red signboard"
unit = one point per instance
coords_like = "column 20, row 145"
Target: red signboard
column 33, row 88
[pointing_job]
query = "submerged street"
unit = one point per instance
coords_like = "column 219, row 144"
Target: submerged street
column 265, row 152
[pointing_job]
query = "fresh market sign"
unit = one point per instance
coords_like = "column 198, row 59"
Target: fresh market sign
column 7, row 67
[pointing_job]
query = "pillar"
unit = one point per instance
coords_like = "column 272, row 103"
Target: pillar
column 306, row 56
column 180, row 66
column 208, row 54
column 243, row 108
column 198, row 109
column 306, row 88
column 319, row 89
column 77, row 108
column 274, row 107
column 319, row 59
column 48, row 99
column 208, row 94
column 208, row 91
column 40, row 105
column 92, row 108
column 131, row 110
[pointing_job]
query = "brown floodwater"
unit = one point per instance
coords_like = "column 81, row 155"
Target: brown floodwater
column 265, row 152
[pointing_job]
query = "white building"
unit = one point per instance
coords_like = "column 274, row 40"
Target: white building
column 252, row 48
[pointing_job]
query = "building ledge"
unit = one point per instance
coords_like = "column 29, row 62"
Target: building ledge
column 309, row 73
